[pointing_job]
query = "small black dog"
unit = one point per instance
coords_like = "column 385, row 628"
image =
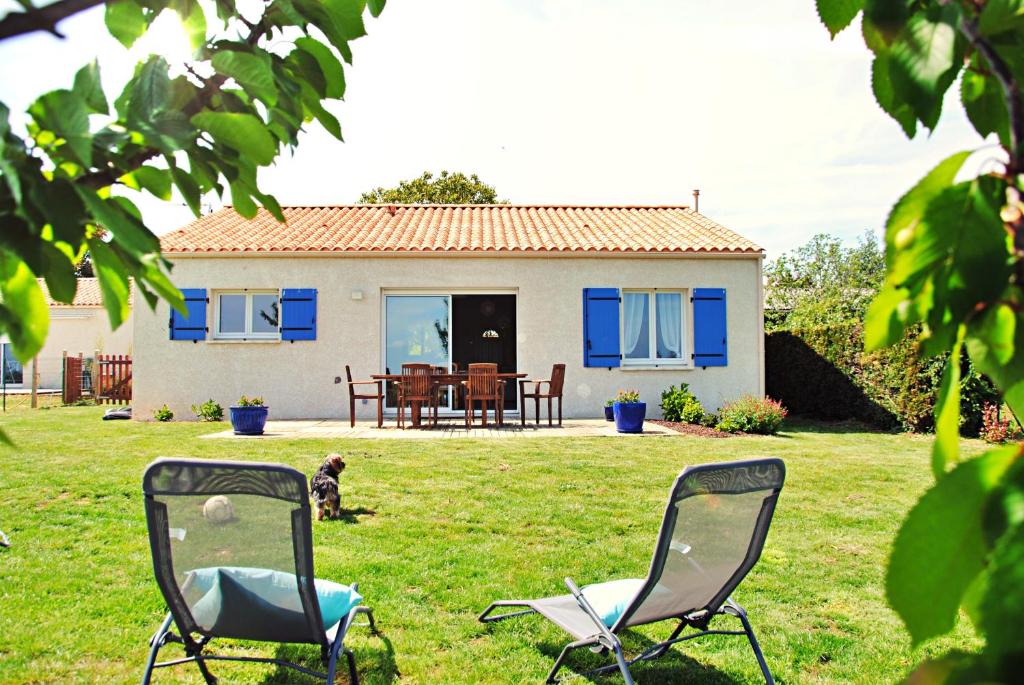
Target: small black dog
column 323, row 486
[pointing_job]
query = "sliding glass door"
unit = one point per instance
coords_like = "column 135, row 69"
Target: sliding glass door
column 450, row 330
column 416, row 332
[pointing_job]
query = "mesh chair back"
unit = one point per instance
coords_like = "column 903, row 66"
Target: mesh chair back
column 483, row 379
column 416, row 380
column 711, row 536
column 232, row 549
column 557, row 379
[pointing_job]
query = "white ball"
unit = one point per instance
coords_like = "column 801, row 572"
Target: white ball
column 218, row 509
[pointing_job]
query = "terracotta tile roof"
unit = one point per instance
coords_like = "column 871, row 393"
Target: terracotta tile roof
column 87, row 295
column 460, row 228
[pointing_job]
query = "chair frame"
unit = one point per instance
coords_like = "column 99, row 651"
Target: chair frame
column 605, row 639
column 353, row 395
column 430, row 399
column 194, row 647
column 537, row 395
column 498, row 398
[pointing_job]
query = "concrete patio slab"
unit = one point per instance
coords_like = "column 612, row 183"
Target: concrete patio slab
column 326, row 428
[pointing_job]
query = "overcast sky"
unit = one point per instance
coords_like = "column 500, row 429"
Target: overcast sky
column 587, row 101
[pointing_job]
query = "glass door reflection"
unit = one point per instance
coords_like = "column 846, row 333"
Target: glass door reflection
column 416, row 332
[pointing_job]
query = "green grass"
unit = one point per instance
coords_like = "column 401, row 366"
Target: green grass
column 437, row 529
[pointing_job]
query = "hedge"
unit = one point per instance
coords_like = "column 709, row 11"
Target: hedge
column 824, row 373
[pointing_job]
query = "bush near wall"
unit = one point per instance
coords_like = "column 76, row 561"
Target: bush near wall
column 824, row 373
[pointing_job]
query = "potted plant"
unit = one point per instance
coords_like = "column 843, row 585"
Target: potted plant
column 249, row 417
column 629, row 412
column 609, row 410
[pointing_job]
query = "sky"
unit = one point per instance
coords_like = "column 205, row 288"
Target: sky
column 584, row 102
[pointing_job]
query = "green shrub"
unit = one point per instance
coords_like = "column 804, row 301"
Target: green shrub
column 163, row 414
column 208, row 411
column 609, row 403
column 679, row 404
column 751, row 414
column 251, row 402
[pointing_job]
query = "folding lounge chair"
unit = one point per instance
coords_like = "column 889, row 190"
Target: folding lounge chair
column 241, row 566
column 711, row 536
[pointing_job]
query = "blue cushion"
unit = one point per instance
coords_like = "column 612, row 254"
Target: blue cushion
column 274, row 587
column 610, row 599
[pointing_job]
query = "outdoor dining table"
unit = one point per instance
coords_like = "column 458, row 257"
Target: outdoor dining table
column 452, row 379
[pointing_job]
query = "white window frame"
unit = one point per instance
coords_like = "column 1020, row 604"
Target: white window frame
column 248, row 334
column 652, row 359
column 24, row 371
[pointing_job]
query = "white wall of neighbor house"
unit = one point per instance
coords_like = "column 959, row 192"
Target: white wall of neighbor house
column 78, row 330
column 297, row 379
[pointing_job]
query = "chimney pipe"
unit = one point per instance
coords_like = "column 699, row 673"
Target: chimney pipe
column 696, row 199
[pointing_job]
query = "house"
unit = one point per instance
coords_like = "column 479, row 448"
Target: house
column 81, row 327
column 626, row 296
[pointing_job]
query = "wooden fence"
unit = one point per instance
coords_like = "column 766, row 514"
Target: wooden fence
column 112, row 382
column 74, row 384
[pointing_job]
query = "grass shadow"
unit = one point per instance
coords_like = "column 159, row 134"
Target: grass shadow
column 673, row 666
column 373, row 665
column 349, row 515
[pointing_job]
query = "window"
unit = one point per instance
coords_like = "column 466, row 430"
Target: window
column 11, row 367
column 652, row 327
column 247, row 315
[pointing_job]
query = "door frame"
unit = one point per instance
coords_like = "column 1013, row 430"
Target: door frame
column 440, row 292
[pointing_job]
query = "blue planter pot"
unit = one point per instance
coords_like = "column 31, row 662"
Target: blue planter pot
column 248, row 420
column 629, row 416
column 609, row 413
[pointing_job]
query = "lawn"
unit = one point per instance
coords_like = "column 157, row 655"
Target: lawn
column 437, row 529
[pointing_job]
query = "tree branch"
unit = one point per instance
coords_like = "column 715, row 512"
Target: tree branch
column 1011, row 90
column 42, row 18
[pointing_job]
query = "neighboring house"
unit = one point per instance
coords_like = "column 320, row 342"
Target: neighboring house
column 80, row 327
column 626, row 297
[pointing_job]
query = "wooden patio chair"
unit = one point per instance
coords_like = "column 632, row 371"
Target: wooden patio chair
column 354, row 394
column 417, row 385
column 554, row 390
column 484, row 386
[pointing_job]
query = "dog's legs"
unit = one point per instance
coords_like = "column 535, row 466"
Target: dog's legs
column 319, row 513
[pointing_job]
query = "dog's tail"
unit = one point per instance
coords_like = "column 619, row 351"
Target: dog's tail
column 4, row 542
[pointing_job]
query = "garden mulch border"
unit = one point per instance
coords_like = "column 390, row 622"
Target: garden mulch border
column 692, row 429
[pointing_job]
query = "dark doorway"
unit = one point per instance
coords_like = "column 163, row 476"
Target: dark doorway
column 484, row 330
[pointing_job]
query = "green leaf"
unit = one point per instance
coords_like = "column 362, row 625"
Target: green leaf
column 150, row 91
column 113, row 279
column 326, row 119
column 340, row 20
column 909, row 211
column 887, row 317
column 242, row 132
column 924, row 62
column 28, row 317
column 330, row 66
column 982, row 97
column 125, row 21
column 946, row 448
column 125, row 228
column 992, row 349
column 881, row 86
column 1003, row 604
column 156, row 181
column 188, row 188
column 88, row 87
column 836, row 15
column 941, row 548
column 1000, row 16
column 377, row 6
column 251, row 71
column 65, row 113
column 194, row 22
column 241, row 200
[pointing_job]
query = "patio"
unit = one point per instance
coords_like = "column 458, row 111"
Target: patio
column 455, row 428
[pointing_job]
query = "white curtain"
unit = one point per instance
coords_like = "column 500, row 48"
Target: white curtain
column 634, row 322
column 669, row 325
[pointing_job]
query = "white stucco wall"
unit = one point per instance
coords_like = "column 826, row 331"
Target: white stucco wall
column 297, row 379
column 78, row 330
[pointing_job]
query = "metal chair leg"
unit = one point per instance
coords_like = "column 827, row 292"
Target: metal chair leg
column 756, row 647
column 156, row 643
column 353, row 676
column 623, row 666
column 560, row 661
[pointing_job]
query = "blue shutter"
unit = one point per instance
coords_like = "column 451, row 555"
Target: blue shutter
column 191, row 326
column 601, row 327
column 710, row 339
column 298, row 314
